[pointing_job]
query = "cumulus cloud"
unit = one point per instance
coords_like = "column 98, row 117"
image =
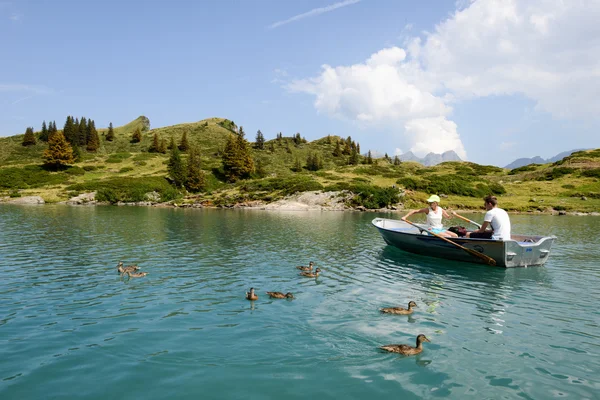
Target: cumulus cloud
column 545, row 50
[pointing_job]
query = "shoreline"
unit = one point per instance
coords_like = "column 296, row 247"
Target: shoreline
column 299, row 202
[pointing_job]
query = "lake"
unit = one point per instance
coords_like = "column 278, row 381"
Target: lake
column 70, row 326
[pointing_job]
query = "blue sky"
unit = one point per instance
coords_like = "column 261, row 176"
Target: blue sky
column 492, row 80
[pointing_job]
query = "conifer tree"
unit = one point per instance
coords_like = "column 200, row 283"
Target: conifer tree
column 93, row 141
column 75, row 134
column 176, row 168
column 237, row 163
column 358, row 148
column 29, row 138
column 162, row 147
column 184, row 145
column 353, row 160
column 196, row 180
column 260, row 170
column 171, row 143
column 396, row 160
column 272, row 147
column 52, row 129
column 260, row 140
column 369, row 158
column 84, row 132
column 77, row 154
column 59, row 152
column 313, row 162
column 69, row 129
column 155, row 146
column 110, row 135
column 338, row 150
column 44, row 133
column 137, row 136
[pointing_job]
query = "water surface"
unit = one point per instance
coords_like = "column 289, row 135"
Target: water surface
column 70, row 326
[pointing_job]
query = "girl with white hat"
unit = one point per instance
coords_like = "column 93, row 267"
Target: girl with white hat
column 434, row 216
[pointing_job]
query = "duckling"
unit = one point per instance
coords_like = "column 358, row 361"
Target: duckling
column 123, row 269
column 136, row 275
column 279, row 295
column 304, row 268
column 311, row 274
column 400, row 310
column 406, row 349
column 251, row 295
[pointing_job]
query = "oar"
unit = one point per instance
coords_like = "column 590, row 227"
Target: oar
column 487, row 259
column 466, row 219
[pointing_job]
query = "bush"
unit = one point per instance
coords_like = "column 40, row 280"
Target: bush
column 90, row 168
column 127, row 189
column 125, row 169
column 75, row 171
column 526, row 168
column 30, row 176
column 568, row 186
column 452, row 184
column 555, row 173
column 592, row 173
column 290, row 185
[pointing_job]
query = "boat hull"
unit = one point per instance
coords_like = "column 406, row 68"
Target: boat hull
column 523, row 251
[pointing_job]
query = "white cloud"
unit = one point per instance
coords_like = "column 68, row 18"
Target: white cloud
column 544, row 50
column 314, row 12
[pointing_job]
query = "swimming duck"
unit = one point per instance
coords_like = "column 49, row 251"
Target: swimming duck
column 400, row 310
column 136, row 275
column 123, row 269
column 406, row 349
column 279, row 295
column 251, row 295
column 311, row 274
column 304, row 268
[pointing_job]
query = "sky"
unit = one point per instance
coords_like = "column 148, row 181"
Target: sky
column 493, row 80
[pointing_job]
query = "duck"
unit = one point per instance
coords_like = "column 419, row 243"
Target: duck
column 400, row 310
column 136, row 275
column 123, row 269
column 406, row 349
column 251, row 295
column 279, row 295
column 304, row 268
column 311, row 274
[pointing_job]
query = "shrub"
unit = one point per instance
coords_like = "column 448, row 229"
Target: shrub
column 127, row 189
column 30, row 176
column 75, row 171
column 593, row 173
column 568, row 186
column 117, row 157
column 125, row 169
column 90, row 168
column 526, row 168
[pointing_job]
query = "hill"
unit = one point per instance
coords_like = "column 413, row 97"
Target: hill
column 124, row 171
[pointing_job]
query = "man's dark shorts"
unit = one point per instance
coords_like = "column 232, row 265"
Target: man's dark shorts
column 482, row 235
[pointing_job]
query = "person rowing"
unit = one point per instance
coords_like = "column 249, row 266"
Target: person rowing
column 434, row 216
column 495, row 218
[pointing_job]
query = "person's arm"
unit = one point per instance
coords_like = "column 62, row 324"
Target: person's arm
column 445, row 214
column 483, row 227
column 421, row 211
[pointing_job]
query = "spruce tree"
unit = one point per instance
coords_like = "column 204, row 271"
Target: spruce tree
column 110, row 135
column 184, row 145
column 59, row 152
column 369, row 158
column 396, row 160
column 236, row 159
column 29, row 138
column 272, row 147
column 195, row 180
column 162, row 147
column 77, row 154
column 52, row 129
column 68, row 129
column 44, row 133
column 353, row 160
column 155, row 146
column 84, row 132
column 171, row 143
column 260, row 140
column 93, row 141
column 175, row 168
column 297, row 167
column 338, row 150
column 137, row 136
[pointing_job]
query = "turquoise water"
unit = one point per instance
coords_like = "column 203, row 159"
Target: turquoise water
column 71, row 327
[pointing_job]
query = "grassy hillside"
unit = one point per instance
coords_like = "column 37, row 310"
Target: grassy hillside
column 126, row 171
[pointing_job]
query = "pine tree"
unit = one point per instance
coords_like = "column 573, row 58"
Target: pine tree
column 52, row 129
column 137, row 136
column 44, row 133
column 369, row 158
column 59, row 152
column 175, row 168
column 110, row 135
column 155, row 146
column 297, row 167
column 338, row 150
column 171, row 143
column 237, row 163
column 313, row 162
column 77, row 154
column 272, row 147
column 162, row 147
column 93, row 141
column 196, row 180
column 184, row 145
column 297, row 139
column 396, row 160
column 353, row 160
column 69, row 129
column 260, row 140
column 75, row 133
column 29, row 138
column 84, row 132
column 260, row 170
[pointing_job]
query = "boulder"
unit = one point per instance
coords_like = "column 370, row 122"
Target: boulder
column 27, row 200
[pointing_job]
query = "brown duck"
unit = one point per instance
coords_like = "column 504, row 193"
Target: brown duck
column 406, row 349
column 311, row 274
column 251, row 295
column 279, row 295
column 136, row 275
column 400, row 310
column 124, row 268
column 305, row 268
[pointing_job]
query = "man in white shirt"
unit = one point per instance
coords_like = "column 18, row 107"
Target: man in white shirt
column 496, row 218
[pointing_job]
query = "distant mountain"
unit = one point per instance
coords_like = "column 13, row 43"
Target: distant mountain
column 431, row 158
column 521, row 162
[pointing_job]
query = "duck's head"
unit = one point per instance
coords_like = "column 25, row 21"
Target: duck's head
column 317, row 270
column 422, row 338
column 310, row 264
column 251, row 290
column 289, row 295
column 120, row 264
column 412, row 304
